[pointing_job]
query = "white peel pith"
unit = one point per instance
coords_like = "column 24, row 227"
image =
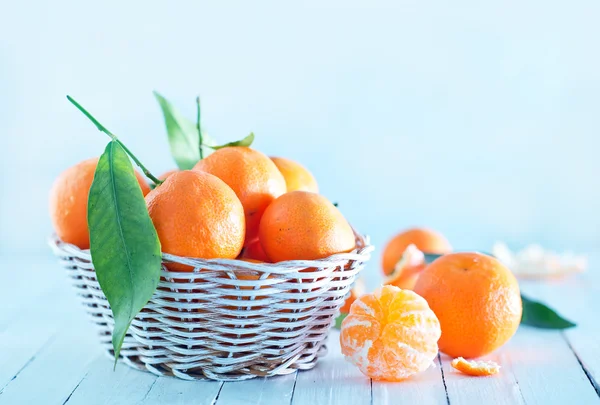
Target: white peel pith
column 534, row 261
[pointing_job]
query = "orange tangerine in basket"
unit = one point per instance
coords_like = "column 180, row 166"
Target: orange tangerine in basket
column 197, row 215
column 166, row 174
column 297, row 177
column 304, row 226
column 253, row 177
column 390, row 334
column 425, row 240
column 69, row 202
column 254, row 251
column 477, row 300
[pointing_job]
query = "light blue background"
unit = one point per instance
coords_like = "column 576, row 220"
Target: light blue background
column 482, row 121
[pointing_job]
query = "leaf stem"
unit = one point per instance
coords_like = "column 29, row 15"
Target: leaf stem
column 102, row 128
column 200, row 140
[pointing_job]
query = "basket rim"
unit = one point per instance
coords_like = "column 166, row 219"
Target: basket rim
column 363, row 247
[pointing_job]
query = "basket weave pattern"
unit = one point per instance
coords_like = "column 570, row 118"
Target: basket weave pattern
column 229, row 319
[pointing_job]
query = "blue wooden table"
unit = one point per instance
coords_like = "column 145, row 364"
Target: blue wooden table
column 49, row 355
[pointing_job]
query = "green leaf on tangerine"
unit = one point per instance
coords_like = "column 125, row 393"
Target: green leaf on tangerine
column 538, row 315
column 183, row 136
column 247, row 141
column 123, row 242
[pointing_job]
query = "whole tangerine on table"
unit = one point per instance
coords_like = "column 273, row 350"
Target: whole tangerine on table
column 424, row 239
column 297, row 177
column 251, row 175
column 477, row 300
column 390, row 334
column 69, row 202
column 304, row 226
column 197, row 215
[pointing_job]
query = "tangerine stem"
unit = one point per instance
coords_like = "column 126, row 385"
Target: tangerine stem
column 200, row 140
column 102, row 128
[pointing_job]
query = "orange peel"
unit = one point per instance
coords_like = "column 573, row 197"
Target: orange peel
column 476, row 368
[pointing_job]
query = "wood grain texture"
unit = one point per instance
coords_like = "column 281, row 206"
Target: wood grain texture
column 332, row 381
column 102, row 385
column 275, row 390
column 424, row 388
column 49, row 355
column 51, row 376
column 169, row 390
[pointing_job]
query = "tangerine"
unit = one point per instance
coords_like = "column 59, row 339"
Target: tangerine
column 253, row 177
column 477, row 300
column 425, row 240
column 197, row 215
column 166, row 174
column 304, row 226
column 357, row 290
column 69, row 202
column 390, row 334
column 254, row 252
column 297, row 177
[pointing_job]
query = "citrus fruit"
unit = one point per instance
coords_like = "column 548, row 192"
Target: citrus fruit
column 426, row 240
column 390, row 334
column 69, row 202
column 304, row 226
column 476, row 299
column 254, row 251
column 357, row 290
column 166, row 174
column 407, row 270
column 297, row 177
column 252, row 176
column 475, row 368
column 197, row 215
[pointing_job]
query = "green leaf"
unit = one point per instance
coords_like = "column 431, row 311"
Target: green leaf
column 247, row 141
column 339, row 320
column 123, row 242
column 538, row 315
column 102, row 128
column 183, row 136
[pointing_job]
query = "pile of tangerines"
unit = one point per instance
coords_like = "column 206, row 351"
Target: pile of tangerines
column 239, row 203
column 235, row 203
column 463, row 304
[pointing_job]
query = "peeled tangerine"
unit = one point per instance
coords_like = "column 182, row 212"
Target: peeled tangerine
column 390, row 334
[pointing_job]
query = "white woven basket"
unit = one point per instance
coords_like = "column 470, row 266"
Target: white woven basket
column 232, row 320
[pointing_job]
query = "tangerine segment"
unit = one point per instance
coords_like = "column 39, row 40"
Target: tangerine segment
column 475, row 368
column 390, row 334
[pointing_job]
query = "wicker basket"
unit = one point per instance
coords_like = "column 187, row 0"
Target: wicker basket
column 232, row 320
